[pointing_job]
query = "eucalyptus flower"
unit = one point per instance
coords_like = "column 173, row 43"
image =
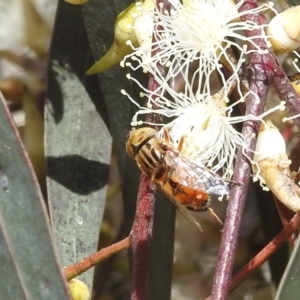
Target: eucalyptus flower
column 193, row 40
column 205, row 122
column 201, row 31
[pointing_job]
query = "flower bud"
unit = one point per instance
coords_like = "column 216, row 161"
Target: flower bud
column 271, row 166
column 77, row 2
column 143, row 29
column 125, row 37
column 78, row 290
column 119, row 48
column 284, row 30
column 269, row 142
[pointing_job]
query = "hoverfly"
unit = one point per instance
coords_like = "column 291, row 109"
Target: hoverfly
column 187, row 184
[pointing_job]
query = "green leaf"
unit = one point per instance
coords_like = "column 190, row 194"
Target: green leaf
column 29, row 267
column 289, row 287
column 78, row 144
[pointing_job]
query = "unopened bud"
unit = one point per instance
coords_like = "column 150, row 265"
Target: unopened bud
column 272, row 166
column 78, row 290
column 284, row 30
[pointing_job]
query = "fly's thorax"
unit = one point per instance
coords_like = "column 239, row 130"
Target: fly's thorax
column 150, row 157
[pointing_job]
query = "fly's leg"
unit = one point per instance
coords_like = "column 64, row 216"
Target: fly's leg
column 215, row 215
column 180, row 145
column 169, row 174
column 168, row 139
column 166, row 135
column 232, row 182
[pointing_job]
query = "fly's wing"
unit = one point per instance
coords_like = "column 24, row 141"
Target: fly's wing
column 167, row 190
column 192, row 175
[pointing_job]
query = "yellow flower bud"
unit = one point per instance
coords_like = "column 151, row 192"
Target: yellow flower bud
column 77, row 2
column 78, row 290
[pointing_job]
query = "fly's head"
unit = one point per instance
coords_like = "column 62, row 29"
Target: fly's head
column 137, row 138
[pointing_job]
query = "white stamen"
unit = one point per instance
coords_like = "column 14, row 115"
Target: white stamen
column 186, row 35
column 206, row 123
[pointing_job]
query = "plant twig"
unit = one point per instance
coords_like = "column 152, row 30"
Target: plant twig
column 143, row 223
column 285, row 216
column 261, row 79
column 238, row 192
column 90, row 261
column 266, row 252
column 141, row 237
column 287, row 93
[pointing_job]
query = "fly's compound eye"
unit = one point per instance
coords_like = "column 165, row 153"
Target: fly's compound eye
column 136, row 139
column 130, row 148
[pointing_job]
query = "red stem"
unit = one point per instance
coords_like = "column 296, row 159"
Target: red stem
column 141, row 237
column 262, row 76
column 143, row 223
column 285, row 216
column 90, row 261
column 267, row 252
column 287, row 93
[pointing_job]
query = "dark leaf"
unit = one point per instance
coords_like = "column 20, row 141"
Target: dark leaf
column 29, row 267
column 289, row 287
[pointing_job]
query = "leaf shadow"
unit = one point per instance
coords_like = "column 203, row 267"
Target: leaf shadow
column 78, row 174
